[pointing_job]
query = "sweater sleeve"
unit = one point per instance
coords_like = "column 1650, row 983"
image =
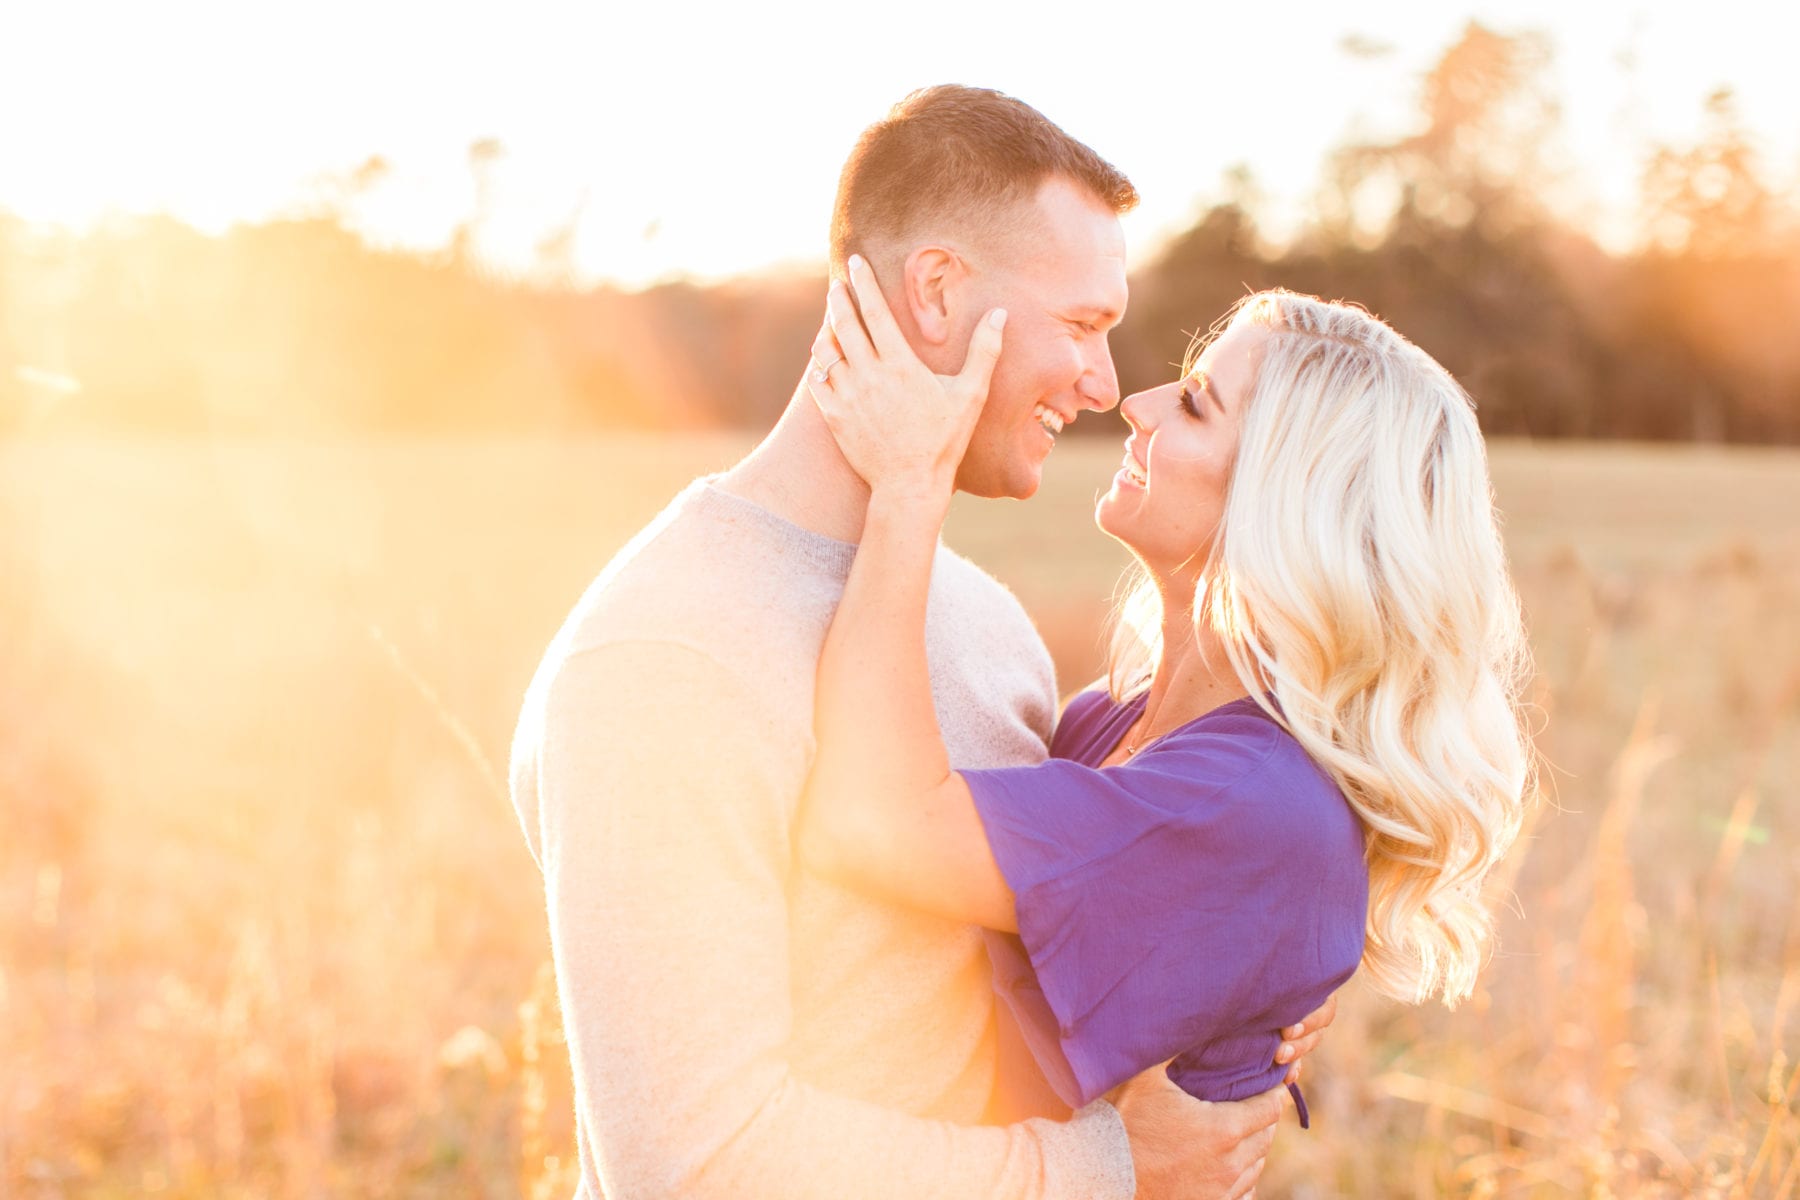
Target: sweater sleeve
column 663, row 834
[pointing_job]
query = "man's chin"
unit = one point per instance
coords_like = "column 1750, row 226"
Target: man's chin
column 1015, row 480
column 998, row 489
column 1023, row 489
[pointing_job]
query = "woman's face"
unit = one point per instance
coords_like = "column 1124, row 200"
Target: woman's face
column 1169, row 496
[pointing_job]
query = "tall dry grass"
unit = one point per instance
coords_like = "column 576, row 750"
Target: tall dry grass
column 269, row 928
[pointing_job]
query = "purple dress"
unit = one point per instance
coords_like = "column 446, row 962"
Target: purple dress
column 1187, row 904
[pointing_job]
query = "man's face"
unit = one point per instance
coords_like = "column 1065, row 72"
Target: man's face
column 1062, row 282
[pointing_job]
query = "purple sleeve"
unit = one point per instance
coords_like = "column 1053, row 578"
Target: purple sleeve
column 1185, row 905
column 1081, row 725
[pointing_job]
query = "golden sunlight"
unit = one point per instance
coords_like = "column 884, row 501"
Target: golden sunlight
column 341, row 345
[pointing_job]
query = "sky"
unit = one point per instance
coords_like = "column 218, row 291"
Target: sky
column 684, row 141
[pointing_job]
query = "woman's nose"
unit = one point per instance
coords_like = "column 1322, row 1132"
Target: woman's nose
column 1139, row 409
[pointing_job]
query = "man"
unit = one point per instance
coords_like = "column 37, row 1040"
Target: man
column 737, row 1026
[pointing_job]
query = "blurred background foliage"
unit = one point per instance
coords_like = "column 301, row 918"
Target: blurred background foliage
column 297, row 327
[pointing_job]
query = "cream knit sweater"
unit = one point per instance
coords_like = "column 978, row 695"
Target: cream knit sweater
column 739, row 1028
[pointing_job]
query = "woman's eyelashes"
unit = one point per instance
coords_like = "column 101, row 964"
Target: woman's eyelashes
column 1190, row 400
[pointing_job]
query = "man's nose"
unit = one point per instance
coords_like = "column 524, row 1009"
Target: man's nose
column 1099, row 385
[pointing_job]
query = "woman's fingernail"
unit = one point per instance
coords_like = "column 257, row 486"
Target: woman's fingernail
column 1285, row 1053
column 856, row 262
column 1293, row 1031
column 997, row 318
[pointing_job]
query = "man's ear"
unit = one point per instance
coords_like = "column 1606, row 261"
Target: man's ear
column 931, row 277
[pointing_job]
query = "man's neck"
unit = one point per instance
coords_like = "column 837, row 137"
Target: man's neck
column 798, row 473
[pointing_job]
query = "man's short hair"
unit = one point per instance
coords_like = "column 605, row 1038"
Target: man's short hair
column 961, row 157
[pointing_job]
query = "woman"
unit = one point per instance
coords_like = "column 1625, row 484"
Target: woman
column 1308, row 753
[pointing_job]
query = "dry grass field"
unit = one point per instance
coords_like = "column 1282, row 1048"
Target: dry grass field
column 268, row 927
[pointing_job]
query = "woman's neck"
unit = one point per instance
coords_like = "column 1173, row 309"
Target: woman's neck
column 1194, row 674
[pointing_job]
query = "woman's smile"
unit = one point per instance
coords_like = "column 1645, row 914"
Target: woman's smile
column 1184, row 437
column 1131, row 472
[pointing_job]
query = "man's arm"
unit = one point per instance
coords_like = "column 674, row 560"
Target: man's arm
column 665, row 847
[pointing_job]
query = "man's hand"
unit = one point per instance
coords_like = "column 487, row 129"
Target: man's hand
column 1300, row 1039
column 1188, row 1149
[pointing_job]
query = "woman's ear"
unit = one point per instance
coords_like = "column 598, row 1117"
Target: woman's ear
column 930, row 277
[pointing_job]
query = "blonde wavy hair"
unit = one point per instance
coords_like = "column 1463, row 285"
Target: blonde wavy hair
column 1358, row 575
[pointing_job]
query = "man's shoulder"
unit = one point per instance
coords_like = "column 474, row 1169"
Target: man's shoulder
column 967, row 573
column 973, row 612
column 707, row 574
column 960, row 583
column 708, row 593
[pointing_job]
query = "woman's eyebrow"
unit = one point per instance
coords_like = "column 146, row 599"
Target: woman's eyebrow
column 1206, row 385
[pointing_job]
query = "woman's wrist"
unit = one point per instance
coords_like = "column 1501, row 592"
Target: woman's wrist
column 918, row 497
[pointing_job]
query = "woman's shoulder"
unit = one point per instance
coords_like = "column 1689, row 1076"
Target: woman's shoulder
column 1090, row 725
column 1091, row 701
column 1252, row 761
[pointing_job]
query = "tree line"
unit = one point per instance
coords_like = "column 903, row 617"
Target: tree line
column 297, row 327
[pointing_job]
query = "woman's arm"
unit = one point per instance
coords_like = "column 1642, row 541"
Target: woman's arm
column 884, row 813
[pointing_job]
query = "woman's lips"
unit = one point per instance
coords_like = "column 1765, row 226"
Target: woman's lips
column 1132, row 472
